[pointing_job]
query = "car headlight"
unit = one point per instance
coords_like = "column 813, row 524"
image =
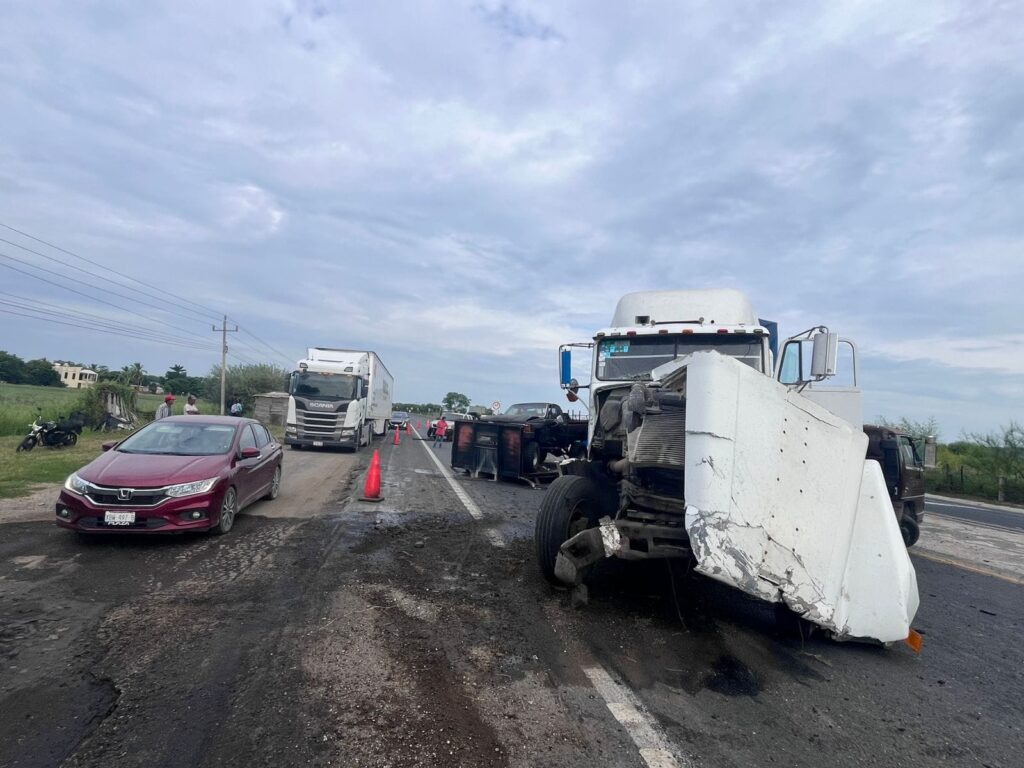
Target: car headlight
column 191, row 489
column 75, row 484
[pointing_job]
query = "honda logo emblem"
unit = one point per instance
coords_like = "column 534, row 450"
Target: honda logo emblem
column 124, row 494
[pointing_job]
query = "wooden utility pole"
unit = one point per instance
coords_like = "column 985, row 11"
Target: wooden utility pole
column 224, row 331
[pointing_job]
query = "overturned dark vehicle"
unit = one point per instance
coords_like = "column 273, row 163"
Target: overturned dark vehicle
column 515, row 445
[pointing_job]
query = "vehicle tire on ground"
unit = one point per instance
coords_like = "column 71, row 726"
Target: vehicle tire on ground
column 911, row 530
column 571, row 505
column 228, row 511
column 275, row 485
column 27, row 444
column 71, row 439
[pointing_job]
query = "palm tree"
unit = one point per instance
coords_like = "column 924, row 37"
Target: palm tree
column 133, row 374
column 177, row 370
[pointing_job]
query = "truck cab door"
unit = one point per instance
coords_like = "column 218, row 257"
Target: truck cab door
column 840, row 393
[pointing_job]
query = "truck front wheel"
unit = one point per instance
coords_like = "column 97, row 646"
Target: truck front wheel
column 571, row 505
column 910, row 529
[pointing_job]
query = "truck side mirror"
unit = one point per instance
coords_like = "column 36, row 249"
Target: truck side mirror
column 824, row 355
column 565, row 368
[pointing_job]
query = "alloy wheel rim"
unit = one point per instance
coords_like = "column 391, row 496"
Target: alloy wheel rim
column 275, row 484
column 227, row 510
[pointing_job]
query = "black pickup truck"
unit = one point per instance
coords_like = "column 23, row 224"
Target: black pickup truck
column 515, row 444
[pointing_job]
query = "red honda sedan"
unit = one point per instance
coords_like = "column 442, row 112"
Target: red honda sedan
column 182, row 473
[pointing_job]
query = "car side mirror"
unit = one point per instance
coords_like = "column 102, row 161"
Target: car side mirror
column 250, row 453
column 108, row 445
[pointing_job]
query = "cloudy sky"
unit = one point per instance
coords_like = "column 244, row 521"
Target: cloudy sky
column 462, row 186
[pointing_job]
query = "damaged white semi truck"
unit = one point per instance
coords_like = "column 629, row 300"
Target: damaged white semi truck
column 697, row 449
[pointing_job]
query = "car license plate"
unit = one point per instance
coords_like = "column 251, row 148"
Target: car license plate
column 318, row 443
column 119, row 518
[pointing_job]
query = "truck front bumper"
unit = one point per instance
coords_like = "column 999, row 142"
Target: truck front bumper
column 323, row 441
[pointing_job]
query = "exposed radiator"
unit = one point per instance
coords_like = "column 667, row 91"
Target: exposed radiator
column 661, row 440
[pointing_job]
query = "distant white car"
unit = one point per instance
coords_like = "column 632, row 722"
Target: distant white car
column 451, row 417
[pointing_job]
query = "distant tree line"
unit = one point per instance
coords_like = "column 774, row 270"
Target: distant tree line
column 40, row 373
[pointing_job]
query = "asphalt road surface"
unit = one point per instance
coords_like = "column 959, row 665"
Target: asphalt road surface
column 417, row 632
column 987, row 514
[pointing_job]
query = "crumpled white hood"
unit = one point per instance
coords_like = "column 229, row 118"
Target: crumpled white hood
column 782, row 504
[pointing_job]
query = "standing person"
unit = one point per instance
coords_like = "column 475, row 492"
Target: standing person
column 440, row 430
column 236, row 407
column 191, row 409
column 166, row 409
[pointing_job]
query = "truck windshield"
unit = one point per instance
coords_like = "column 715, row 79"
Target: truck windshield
column 627, row 358
column 326, row 385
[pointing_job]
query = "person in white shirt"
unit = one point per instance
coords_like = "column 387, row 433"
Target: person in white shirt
column 191, row 409
column 166, row 409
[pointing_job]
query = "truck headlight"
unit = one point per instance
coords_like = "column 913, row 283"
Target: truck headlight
column 75, row 484
column 291, row 429
column 191, row 489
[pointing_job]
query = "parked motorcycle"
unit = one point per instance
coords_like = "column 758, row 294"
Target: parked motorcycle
column 53, row 434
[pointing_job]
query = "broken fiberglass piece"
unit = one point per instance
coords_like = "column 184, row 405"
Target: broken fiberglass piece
column 782, row 504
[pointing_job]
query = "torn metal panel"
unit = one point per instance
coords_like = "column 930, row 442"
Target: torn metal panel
column 782, row 504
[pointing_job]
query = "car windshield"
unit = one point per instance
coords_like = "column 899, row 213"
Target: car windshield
column 181, row 439
column 332, row 386
column 637, row 356
column 527, row 409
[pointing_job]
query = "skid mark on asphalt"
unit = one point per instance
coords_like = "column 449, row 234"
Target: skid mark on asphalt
column 475, row 512
column 627, row 709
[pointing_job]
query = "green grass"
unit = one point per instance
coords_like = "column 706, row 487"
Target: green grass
column 19, row 472
column 18, row 404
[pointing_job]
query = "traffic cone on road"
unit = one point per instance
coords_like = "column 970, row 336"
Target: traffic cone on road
column 398, row 437
column 371, row 491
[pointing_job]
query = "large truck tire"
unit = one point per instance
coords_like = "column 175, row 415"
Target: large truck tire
column 571, row 505
column 910, row 529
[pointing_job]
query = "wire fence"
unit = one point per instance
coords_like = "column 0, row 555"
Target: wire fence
column 970, row 482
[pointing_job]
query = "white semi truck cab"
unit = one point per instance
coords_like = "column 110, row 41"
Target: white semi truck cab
column 697, row 451
column 337, row 397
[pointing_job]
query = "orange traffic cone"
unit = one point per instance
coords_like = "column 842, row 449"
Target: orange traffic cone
column 398, row 437
column 371, row 491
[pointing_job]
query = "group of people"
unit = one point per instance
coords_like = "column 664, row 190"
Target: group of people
column 191, row 408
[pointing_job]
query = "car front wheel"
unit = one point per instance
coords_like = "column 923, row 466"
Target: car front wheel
column 228, row 511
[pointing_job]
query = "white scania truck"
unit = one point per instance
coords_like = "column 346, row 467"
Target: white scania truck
column 701, row 447
column 337, row 397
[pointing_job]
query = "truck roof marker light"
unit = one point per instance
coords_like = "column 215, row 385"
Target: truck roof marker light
column 600, row 335
column 688, row 331
column 759, row 331
column 739, row 330
column 723, row 330
column 631, row 333
column 663, row 330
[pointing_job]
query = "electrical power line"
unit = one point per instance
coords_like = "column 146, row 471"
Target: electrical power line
column 203, row 318
column 95, row 320
column 202, row 312
column 79, row 326
column 209, row 311
column 80, row 293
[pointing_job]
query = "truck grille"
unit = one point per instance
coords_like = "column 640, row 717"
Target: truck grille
column 313, row 423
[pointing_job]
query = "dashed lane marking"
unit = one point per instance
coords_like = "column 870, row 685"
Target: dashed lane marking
column 475, row 512
column 641, row 727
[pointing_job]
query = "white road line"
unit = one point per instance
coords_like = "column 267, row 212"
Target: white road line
column 625, row 707
column 493, row 536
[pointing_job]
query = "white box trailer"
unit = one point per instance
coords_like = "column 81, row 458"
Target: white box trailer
column 338, row 397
